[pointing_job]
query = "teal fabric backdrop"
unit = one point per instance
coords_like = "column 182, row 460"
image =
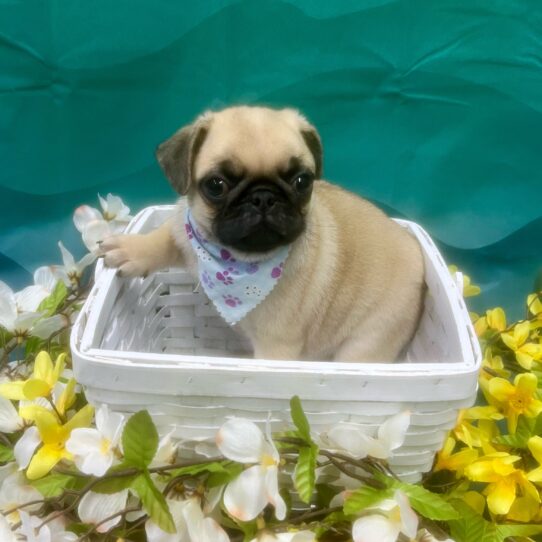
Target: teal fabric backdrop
column 430, row 108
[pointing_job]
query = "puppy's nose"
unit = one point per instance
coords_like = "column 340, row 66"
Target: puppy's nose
column 263, row 200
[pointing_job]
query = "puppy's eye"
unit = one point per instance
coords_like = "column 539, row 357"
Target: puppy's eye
column 302, row 182
column 215, row 187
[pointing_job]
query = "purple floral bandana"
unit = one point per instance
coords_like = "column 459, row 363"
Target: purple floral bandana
column 235, row 287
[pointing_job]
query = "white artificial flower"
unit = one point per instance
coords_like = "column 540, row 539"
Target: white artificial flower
column 26, row 446
column 245, row 497
column 190, row 524
column 29, row 298
column 93, row 450
column 52, row 531
column 6, row 534
column 16, row 491
column 71, row 272
column 95, row 226
column 96, row 507
column 23, row 324
column 395, row 516
column 299, row 536
column 114, row 209
column 10, row 421
column 355, row 440
column 166, row 453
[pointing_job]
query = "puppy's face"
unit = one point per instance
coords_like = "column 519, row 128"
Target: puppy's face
column 248, row 173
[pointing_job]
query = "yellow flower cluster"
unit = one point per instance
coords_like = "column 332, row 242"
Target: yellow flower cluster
column 495, row 450
column 45, row 401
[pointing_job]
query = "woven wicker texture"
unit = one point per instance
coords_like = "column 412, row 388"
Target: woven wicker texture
column 157, row 343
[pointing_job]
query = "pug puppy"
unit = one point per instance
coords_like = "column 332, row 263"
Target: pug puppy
column 352, row 284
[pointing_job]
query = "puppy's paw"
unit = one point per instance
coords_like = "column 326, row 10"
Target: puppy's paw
column 128, row 253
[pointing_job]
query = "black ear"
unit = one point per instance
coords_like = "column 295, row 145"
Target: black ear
column 314, row 143
column 177, row 154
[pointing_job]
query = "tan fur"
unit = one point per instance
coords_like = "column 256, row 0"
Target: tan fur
column 353, row 283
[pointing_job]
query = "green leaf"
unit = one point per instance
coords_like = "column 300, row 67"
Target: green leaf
column 299, row 419
column 51, row 303
column 525, row 429
column 193, row 470
column 154, row 502
column 429, row 505
column 6, row 454
column 54, row 484
column 231, row 472
column 305, row 476
column 470, row 527
column 139, row 440
column 364, row 497
column 33, row 345
column 506, row 531
column 114, row 485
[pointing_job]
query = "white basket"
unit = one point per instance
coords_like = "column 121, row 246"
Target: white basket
column 155, row 343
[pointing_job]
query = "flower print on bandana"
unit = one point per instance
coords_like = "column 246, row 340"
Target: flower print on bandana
column 235, row 287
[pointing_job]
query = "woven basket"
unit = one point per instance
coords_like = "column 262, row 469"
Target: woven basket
column 157, row 343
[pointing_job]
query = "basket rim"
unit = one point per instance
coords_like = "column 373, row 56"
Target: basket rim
column 83, row 333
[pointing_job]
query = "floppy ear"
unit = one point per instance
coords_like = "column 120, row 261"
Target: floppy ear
column 177, row 154
column 314, row 143
column 311, row 137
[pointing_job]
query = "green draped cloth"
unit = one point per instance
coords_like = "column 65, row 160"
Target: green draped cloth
column 430, row 108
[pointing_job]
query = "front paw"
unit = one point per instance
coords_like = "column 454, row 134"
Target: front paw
column 128, row 253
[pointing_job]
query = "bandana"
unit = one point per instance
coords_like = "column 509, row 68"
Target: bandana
column 235, row 287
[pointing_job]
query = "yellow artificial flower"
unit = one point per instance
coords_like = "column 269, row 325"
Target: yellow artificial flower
column 535, row 446
column 447, row 460
column 54, row 436
column 534, row 302
column 475, row 501
column 496, row 319
column 526, row 352
column 494, row 366
column 478, row 436
column 40, row 384
column 67, row 397
column 505, row 482
column 469, row 289
column 516, row 399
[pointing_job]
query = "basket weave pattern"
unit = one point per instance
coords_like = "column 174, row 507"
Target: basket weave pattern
column 157, row 343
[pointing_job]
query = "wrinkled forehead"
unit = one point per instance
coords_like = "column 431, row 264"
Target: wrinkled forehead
column 255, row 144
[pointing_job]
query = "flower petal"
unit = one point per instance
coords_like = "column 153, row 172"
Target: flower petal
column 43, row 461
column 535, row 445
column 26, row 446
column 6, row 534
column 500, row 496
column 241, row 440
column 393, row 431
column 245, row 497
column 45, row 277
column 67, row 258
column 85, row 214
column 272, row 492
column 95, row 507
column 155, row 534
column 13, row 390
column 29, row 298
column 352, row 438
column 409, row 519
column 8, row 307
column 10, row 421
column 95, row 232
column 46, row 327
column 374, row 528
column 83, row 441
